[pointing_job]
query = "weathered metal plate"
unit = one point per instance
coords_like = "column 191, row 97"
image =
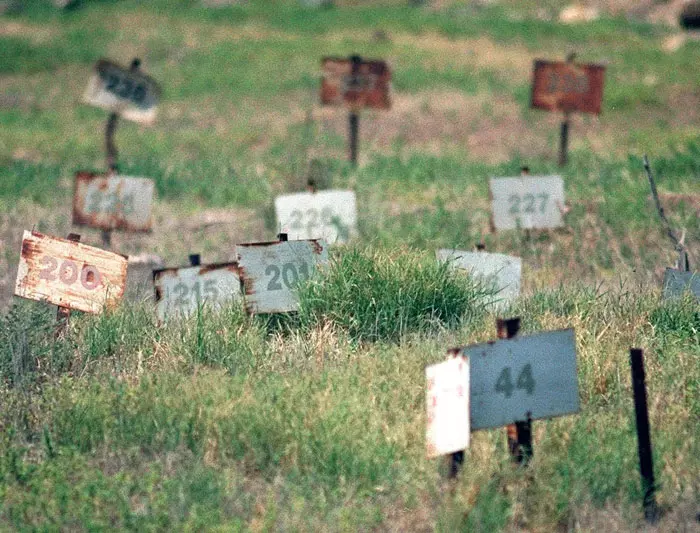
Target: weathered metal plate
column 271, row 271
column 499, row 272
column 447, row 403
column 527, row 202
column 69, row 274
column 676, row 283
column 560, row 86
column 112, row 202
column 513, row 379
column 133, row 95
column 368, row 86
column 179, row 291
column 328, row 215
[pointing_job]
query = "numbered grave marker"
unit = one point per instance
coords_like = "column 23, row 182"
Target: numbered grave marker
column 132, row 95
column 676, row 283
column 500, row 272
column 562, row 86
column 532, row 377
column 527, row 202
column 369, row 86
column 112, row 202
column 271, row 271
column 328, row 215
column 447, row 404
column 179, row 291
column 69, row 274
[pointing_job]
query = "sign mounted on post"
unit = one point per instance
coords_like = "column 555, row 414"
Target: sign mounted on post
column 567, row 86
column 129, row 93
column 527, row 202
column 677, row 282
column 523, row 378
column 500, row 272
column 271, row 271
column 447, row 405
column 366, row 83
column 327, row 215
column 112, row 202
column 179, row 291
column 69, row 274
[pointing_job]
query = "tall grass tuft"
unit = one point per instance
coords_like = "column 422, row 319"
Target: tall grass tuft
column 380, row 296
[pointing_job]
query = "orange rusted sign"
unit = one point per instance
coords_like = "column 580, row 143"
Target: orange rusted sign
column 356, row 83
column 69, row 274
column 562, row 86
column 112, row 202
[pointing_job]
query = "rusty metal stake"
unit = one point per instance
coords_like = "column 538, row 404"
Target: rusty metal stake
column 646, row 465
column 63, row 313
column 520, row 433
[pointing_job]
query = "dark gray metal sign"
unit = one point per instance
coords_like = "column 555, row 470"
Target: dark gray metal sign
column 677, row 282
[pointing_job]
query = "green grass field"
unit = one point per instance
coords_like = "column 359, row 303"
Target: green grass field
column 316, row 421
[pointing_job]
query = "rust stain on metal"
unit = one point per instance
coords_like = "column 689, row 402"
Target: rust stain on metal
column 367, row 85
column 567, row 87
column 317, row 246
column 69, row 274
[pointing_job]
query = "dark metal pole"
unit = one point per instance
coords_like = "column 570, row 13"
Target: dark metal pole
column 63, row 313
column 564, row 141
column 195, row 260
column 354, row 116
column 520, row 433
column 646, row 465
column 282, row 237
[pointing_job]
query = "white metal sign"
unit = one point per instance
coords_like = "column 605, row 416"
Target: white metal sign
column 69, row 274
column 527, row 202
column 447, row 405
column 499, row 272
column 677, row 282
column 179, row 291
column 523, row 377
column 132, row 95
column 113, row 202
column 271, row 271
column 328, row 215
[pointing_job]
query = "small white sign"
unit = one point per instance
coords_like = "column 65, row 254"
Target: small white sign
column 499, row 272
column 530, row 202
column 447, row 406
column 677, row 282
column 327, row 215
column 271, row 272
column 523, row 377
column 179, row 291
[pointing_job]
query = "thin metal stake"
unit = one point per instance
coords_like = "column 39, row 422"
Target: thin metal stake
column 195, row 260
column 354, row 116
column 564, row 130
column 646, row 465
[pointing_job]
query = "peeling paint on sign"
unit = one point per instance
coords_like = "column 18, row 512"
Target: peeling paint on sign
column 531, row 202
column 368, row 86
column 447, row 405
column 327, row 215
column 561, row 86
column 112, row 202
column 179, row 291
column 271, row 271
column 69, row 274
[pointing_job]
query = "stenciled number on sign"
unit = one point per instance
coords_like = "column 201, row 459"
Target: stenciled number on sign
column 125, row 88
column 109, row 202
column 528, row 203
column 182, row 292
column 312, row 218
column 567, row 82
column 289, row 274
column 525, row 381
column 68, row 272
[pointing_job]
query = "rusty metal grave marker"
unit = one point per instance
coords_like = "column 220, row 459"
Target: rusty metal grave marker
column 355, row 83
column 527, row 202
column 447, row 404
column 179, row 291
column 327, row 215
column 69, row 274
column 500, row 272
column 124, row 91
column 567, row 87
column 677, row 282
column 112, row 202
column 270, row 272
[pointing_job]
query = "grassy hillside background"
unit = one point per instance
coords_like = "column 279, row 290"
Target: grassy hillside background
column 316, row 421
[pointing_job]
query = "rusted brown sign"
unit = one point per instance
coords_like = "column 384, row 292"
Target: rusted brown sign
column 112, row 202
column 69, row 274
column 568, row 87
column 356, row 83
